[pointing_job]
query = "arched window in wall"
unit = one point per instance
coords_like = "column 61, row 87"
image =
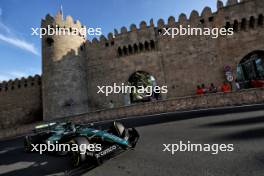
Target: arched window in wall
column 252, row 22
column 119, row 50
column 141, row 79
column 146, row 46
column 130, row 50
column 250, row 70
column 141, row 47
column 152, row 44
column 135, row 48
column 243, row 24
column 235, row 26
column 260, row 20
column 125, row 50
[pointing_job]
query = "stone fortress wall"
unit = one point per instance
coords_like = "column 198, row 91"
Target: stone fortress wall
column 20, row 101
column 180, row 63
column 73, row 67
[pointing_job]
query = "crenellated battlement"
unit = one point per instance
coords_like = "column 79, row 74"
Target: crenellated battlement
column 16, row 84
column 58, row 22
column 207, row 18
column 73, row 67
column 111, row 37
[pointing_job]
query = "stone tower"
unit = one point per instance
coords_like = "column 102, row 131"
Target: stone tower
column 64, row 76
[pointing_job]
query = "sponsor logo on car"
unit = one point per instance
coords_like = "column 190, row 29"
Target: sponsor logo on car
column 106, row 151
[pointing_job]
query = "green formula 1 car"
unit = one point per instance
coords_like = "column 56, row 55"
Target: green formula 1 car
column 91, row 144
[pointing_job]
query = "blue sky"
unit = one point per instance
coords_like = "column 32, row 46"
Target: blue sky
column 20, row 52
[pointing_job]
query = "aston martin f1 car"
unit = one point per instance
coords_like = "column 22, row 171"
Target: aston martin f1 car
column 112, row 140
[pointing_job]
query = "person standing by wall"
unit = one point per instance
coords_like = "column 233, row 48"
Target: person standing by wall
column 225, row 87
column 199, row 90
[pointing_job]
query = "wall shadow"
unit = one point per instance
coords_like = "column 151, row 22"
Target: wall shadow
column 237, row 122
column 251, row 134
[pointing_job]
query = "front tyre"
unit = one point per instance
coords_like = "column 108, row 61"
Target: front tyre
column 27, row 144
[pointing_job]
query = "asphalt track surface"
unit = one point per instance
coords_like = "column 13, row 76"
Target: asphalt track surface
column 245, row 130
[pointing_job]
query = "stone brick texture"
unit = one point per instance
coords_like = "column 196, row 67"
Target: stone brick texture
column 20, row 102
column 73, row 67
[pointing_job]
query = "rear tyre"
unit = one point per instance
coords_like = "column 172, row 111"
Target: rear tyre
column 77, row 157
